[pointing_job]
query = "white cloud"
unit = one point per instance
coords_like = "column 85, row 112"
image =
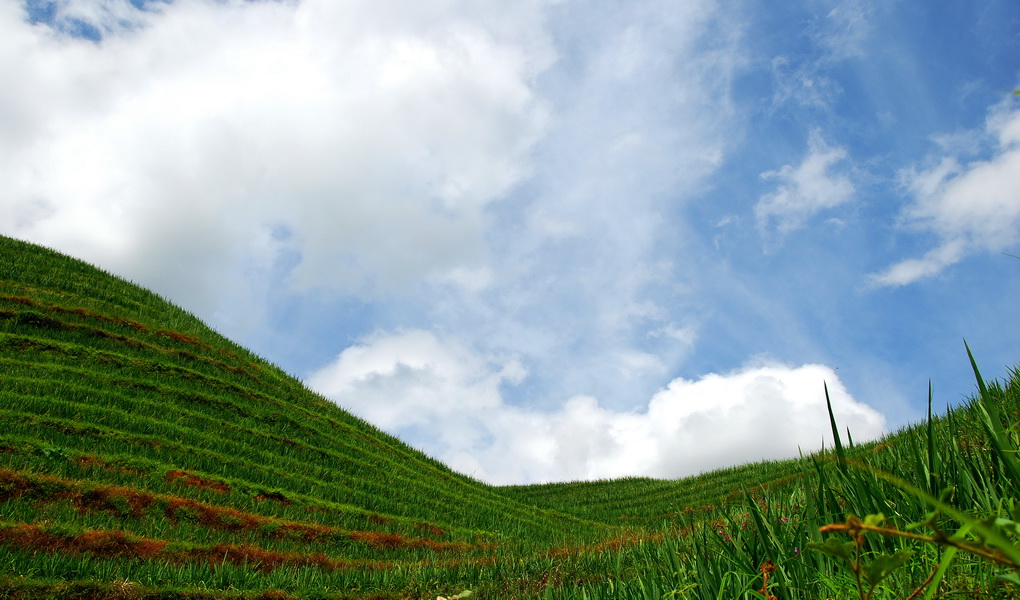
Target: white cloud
column 226, row 153
column 167, row 150
column 971, row 208
column 912, row 269
column 447, row 399
column 412, row 379
column 804, row 190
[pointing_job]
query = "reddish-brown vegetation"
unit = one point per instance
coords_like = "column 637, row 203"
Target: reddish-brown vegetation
column 91, row 314
column 379, row 520
column 613, row 544
column 431, row 529
column 107, row 498
column 93, row 462
column 22, row 589
column 213, row 517
column 184, row 339
column 273, row 496
column 120, row 544
column 192, row 480
column 126, row 501
column 19, row 300
column 107, row 544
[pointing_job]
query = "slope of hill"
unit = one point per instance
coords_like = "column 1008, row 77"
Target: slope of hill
column 144, row 456
column 130, row 431
column 647, row 502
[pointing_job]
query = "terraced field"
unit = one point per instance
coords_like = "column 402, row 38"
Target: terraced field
column 143, row 447
column 142, row 455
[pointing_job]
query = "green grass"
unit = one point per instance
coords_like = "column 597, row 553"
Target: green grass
column 143, row 455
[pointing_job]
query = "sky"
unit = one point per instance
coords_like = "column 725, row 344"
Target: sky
column 547, row 240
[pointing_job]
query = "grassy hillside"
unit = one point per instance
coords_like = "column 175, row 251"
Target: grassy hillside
column 142, row 455
column 125, row 416
column 646, row 502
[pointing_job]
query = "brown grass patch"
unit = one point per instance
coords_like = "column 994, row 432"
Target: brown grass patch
column 182, row 338
column 92, row 462
column 120, row 544
column 106, row 544
column 386, row 541
column 191, row 480
column 379, row 519
column 430, row 529
column 130, row 502
column 21, row 589
column 614, row 544
column 273, row 496
column 114, row 499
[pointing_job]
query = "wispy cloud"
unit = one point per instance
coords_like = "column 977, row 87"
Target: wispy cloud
column 804, row 190
column 972, row 207
column 838, row 32
column 844, row 30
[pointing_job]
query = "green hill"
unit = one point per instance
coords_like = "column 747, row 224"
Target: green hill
column 122, row 413
column 142, row 455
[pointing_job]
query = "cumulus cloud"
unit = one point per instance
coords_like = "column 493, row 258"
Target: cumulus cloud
column 202, row 134
column 972, row 207
column 412, row 379
column 447, row 399
column 804, row 190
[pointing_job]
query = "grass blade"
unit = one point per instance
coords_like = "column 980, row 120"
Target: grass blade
column 931, row 446
column 1003, row 446
column 840, row 454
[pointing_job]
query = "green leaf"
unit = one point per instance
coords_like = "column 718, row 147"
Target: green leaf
column 834, row 547
column 984, row 531
column 884, row 564
column 1008, row 526
column 1011, row 577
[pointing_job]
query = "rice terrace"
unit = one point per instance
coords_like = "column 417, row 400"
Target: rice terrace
column 144, row 456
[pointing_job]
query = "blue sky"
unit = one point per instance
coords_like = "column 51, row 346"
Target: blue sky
column 547, row 240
